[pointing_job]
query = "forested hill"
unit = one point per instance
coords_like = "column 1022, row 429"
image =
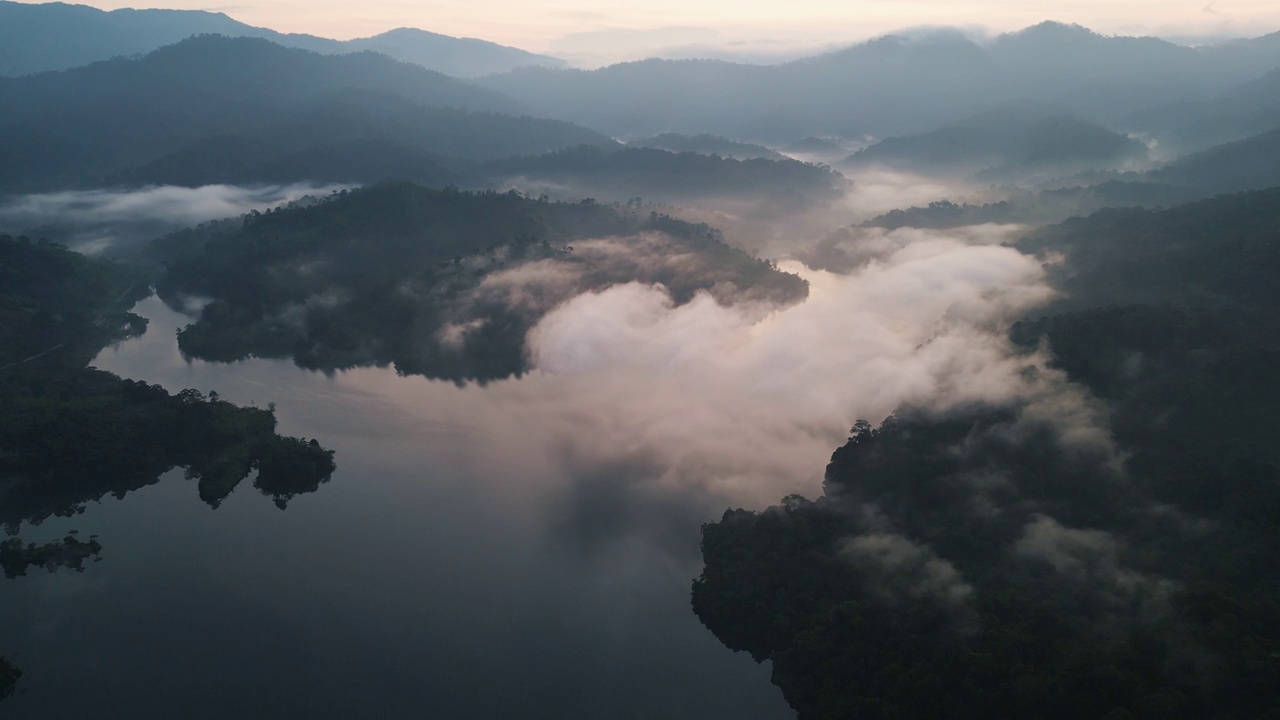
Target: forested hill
column 1221, row 251
column 439, row 282
column 218, row 109
column 605, row 171
column 1007, row 143
column 1037, row 559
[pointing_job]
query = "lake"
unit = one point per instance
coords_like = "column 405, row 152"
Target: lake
column 469, row 558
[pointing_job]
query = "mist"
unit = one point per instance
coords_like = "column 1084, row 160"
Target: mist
column 118, row 221
column 649, row 412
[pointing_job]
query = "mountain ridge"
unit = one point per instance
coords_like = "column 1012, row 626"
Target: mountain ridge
column 59, row 36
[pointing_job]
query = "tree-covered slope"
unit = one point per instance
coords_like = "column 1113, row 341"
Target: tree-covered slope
column 1006, row 143
column 440, row 282
column 892, row 85
column 608, row 172
column 1224, row 250
column 1037, row 558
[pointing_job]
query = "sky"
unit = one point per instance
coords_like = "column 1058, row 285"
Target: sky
column 593, row 31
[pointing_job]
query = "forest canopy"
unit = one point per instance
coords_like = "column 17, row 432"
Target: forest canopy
column 978, row 563
column 441, row 283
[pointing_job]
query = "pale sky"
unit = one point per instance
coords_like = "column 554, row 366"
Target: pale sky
column 592, row 31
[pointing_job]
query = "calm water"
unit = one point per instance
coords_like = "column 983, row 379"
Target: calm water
column 464, row 561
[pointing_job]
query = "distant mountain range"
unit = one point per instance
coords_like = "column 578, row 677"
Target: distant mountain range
column 214, row 109
column 218, row 109
column 58, row 36
column 893, row 85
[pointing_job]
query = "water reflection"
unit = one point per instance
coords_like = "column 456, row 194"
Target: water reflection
column 464, row 561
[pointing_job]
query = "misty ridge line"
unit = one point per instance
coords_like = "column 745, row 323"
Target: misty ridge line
column 39, row 38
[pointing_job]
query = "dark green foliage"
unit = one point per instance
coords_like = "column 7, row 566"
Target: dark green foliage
column 63, row 303
column 1195, row 394
column 1222, row 250
column 71, row 434
column 9, row 676
column 1139, row 585
column 1141, row 630
column 70, row 552
column 397, row 273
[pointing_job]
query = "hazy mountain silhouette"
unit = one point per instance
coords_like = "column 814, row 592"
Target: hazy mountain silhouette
column 58, row 36
column 891, row 85
column 460, row 57
column 1233, row 114
column 110, row 121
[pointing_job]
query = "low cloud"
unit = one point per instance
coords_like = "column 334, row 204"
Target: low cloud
column 1093, row 558
column 899, row 568
column 745, row 409
column 97, row 221
column 776, row 228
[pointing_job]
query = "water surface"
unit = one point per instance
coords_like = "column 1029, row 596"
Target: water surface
column 462, row 562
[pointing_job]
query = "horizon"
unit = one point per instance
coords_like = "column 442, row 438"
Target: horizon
column 586, row 33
